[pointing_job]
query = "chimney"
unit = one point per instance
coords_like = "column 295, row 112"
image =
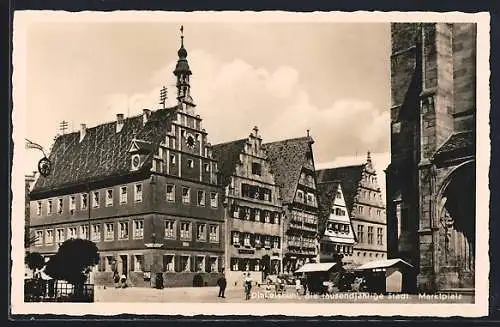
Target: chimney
column 83, row 131
column 119, row 122
column 146, row 113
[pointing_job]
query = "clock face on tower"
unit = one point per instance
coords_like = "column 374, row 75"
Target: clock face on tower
column 190, row 140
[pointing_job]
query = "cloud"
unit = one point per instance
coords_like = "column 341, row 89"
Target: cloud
column 235, row 96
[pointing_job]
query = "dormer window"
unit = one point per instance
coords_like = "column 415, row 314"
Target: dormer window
column 136, row 161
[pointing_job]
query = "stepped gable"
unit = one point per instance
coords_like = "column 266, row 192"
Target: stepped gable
column 287, row 158
column 227, row 156
column 349, row 177
column 103, row 152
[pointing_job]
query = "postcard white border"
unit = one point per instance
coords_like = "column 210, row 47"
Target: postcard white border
column 480, row 308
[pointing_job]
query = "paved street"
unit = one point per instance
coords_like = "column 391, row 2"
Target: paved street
column 209, row 295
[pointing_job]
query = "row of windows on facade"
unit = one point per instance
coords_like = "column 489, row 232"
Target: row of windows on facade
column 302, row 217
column 171, row 263
column 306, row 198
column 337, row 227
column 301, row 241
column 244, row 264
column 369, row 195
column 370, row 178
column 257, row 215
column 255, row 240
column 339, row 212
column 256, row 192
column 123, row 232
column 361, row 210
column 361, row 235
column 338, row 248
column 170, row 196
column 189, row 163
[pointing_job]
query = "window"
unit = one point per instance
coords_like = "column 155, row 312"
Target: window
column 170, row 192
column 338, row 195
column 360, row 234
column 206, row 167
column 109, row 198
column 213, row 264
column 96, row 200
column 185, row 263
column 186, row 195
column 123, row 195
column 276, row 242
column 72, row 204
column 310, row 198
column 138, row 229
column 267, row 217
column 96, row 233
column 38, row 208
column 168, row 263
column 369, row 212
column 110, row 232
column 257, row 214
column 201, row 198
column 202, row 233
column 84, row 232
column 236, row 238
column 50, row 207
column 39, row 238
column 214, row 200
column 123, row 230
column 49, row 236
column 186, row 230
column 59, row 235
column 190, row 163
column 60, row 206
column 370, row 234
column 300, row 196
column 360, row 209
column 138, row 193
column 246, row 240
column 138, row 262
column 84, row 203
column 380, row 236
column 200, row 263
column 170, row 229
column 72, row 232
column 214, row 233
column 256, row 168
column 172, row 159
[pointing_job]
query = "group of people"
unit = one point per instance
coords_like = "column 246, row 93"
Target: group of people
column 120, row 281
column 247, row 284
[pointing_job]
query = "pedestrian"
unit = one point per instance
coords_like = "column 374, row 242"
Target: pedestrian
column 123, row 281
column 297, row 286
column 222, row 283
column 116, row 279
column 248, row 286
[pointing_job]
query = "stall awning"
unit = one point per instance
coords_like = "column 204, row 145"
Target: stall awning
column 386, row 263
column 315, row 267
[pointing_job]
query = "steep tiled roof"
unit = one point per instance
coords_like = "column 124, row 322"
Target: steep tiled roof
column 227, row 155
column 326, row 194
column 287, row 158
column 349, row 177
column 103, row 152
column 461, row 144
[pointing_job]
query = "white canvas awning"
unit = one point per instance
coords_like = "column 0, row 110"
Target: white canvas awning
column 386, row 263
column 315, row 267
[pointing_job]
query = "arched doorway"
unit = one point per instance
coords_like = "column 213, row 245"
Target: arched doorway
column 457, row 218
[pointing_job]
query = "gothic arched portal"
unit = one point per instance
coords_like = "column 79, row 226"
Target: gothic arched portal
column 457, row 219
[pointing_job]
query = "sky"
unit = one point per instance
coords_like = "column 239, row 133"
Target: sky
column 284, row 77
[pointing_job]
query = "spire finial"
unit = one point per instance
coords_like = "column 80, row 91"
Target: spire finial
column 308, row 133
column 368, row 157
column 182, row 35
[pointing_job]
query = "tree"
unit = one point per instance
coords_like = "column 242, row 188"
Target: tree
column 71, row 262
column 34, row 260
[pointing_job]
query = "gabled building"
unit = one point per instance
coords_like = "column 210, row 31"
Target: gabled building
column 253, row 211
column 336, row 234
column 292, row 164
column 143, row 188
column 366, row 208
